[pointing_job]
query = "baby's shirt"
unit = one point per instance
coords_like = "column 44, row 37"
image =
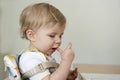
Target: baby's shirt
column 29, row 60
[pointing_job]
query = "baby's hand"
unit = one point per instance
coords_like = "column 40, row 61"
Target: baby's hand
column 67, row 54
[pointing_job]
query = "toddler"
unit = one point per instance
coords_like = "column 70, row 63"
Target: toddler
column 43, row 26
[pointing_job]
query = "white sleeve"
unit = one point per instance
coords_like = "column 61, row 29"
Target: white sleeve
column 29, row 60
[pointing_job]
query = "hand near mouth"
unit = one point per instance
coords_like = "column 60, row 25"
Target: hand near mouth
column 67, row 54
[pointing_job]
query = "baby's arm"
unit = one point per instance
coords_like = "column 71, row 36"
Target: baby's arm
column 62, row 71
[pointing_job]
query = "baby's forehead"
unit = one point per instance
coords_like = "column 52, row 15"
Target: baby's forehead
column 53, row 25
column 53, row 28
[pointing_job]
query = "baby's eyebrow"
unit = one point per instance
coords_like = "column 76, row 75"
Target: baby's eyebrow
column 55, row 32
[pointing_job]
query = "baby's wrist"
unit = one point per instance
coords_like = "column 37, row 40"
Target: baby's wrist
column 66, row 62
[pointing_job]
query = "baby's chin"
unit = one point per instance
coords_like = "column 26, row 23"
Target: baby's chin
column 49, row 53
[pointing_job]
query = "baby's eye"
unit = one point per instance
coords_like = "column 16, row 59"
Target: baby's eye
column 52, row 36
column 60, row 36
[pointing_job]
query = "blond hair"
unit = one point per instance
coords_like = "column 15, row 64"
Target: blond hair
column 36, row 15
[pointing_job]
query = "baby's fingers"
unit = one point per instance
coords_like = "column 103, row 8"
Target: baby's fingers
column 69, row 46
column 60, row 50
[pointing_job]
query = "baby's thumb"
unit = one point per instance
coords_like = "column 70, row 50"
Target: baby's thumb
column 60, row 50
column 68, row 47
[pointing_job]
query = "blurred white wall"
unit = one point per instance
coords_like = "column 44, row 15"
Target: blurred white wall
column 93, row 27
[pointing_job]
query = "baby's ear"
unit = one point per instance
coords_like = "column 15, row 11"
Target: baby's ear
column 30, row 35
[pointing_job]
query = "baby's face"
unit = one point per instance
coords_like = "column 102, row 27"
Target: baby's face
column 48, row 39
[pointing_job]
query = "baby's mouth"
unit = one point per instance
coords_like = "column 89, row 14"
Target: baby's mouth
column 54, row 49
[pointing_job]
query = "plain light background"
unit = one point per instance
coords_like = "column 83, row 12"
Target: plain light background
column 93, row 27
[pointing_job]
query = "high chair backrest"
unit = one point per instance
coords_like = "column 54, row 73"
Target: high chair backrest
column 11, row 65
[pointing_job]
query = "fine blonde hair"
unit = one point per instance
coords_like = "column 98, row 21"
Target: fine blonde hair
column 36, row 15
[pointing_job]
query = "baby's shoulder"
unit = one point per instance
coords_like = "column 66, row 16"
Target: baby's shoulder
column 32, row 56
column 28, row 60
